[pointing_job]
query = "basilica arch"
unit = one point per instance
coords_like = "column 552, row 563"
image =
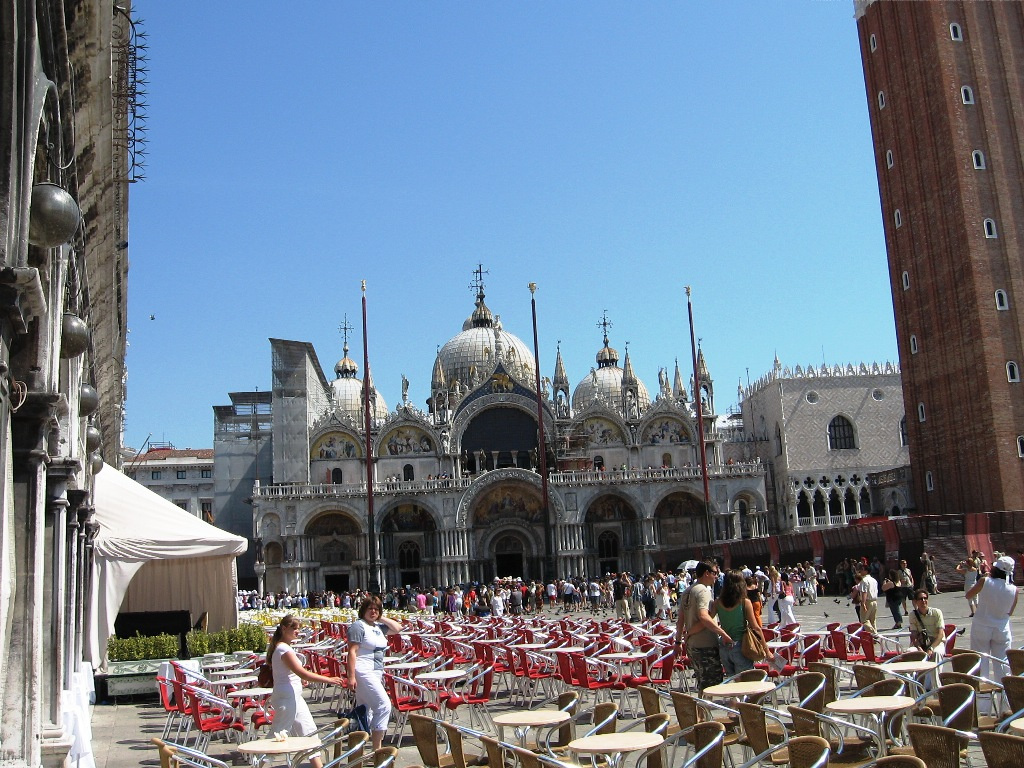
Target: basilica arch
column 333, row 540
column 612, row 533
column 680, row 525
column 409, row 544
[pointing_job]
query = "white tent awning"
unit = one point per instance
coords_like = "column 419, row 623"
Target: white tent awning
column 193, row 561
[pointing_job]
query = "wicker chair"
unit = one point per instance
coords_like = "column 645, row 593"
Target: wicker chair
column 851, row 744
column 867, row 674
column 1016, row 658
column 1002, row 750
column 898, row 761
column 980, row 686
column 754, row 719
column 1013, row 689
column 800, row 752
column 706, row 739
column 939, row 747
column 650, row 698
column 811, row 690
column 831, row 672
column 457, row 745
column 424, row 733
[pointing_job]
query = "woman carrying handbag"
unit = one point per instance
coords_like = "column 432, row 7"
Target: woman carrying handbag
column 735, row 613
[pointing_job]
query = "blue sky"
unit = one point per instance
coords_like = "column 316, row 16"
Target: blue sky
column 610, row 152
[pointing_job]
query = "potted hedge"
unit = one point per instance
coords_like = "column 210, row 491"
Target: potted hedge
column 140, row 655
column 247, row 637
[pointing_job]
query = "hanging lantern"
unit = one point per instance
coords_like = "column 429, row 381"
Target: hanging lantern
column 93, row 438
column 54, row 216
column 74, row 338
column 88, row 400
column 95, row 463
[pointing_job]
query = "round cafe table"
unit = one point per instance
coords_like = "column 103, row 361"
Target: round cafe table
column 909, row 667
column 737, row 690
column 529, row 646
column 874, row 707
column 522, row 722
column 218, row 665
column 261, row 748
column 249, row 693
column 615, row 746
column 406, row 666
column 1018, row 725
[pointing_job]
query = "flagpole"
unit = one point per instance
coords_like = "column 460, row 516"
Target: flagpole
column 550, row 570
column 373, row 580
column 699, row 407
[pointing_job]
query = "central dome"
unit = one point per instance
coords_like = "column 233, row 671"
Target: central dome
column 471, row 356
column 605, row 384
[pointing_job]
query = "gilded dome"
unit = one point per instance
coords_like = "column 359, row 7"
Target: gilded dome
column 474, row 352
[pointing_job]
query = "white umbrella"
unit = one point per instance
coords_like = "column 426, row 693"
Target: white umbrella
column 687, row 566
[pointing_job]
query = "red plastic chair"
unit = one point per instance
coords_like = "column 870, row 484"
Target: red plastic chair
column 406, row 696
column 475, row 694
column 210, row 715
column 841, row 645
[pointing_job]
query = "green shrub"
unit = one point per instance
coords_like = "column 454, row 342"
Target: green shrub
column 198, row 642
column 142, row 647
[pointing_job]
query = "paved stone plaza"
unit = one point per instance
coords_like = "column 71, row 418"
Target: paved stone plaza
column 122, row 730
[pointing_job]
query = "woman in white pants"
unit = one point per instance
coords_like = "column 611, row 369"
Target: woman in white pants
column 366, row 646
column 786, row 600
column 997, row 599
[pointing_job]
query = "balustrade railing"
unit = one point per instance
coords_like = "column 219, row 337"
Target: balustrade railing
column 565, row 478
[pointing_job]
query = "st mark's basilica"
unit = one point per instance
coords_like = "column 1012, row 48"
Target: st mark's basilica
column 457, row 495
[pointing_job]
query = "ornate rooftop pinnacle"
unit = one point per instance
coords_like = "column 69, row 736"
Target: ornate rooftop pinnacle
column 628, row 376
column 607, row 356
column 678, row 390
column 560, row 380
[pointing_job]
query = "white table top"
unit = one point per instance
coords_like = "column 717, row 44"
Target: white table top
column 238, row 680
column 870, row 704
column 407, row 665
column 777, row 644
column 739, row 689
column 442, row 674
column 533, row 718
column 247, row 692
column 274, row 747
column 236, row 672
column 608, row 743
column 528, row 646
column 1017, row 725
column 220, row 665
column 565, row 649
column 909, row 666
column 624, row 656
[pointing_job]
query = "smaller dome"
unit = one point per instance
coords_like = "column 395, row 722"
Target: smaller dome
column 346, row 367
column 348, row 398
column 607, row 356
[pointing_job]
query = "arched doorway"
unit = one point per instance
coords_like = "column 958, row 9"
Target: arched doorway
column 608, row 552
column 682, row 525
column 500, row 437
column 509, row 556
column 408, row 545
column 613, row 530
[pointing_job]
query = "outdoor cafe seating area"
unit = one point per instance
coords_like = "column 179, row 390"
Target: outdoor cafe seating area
column 578, row 690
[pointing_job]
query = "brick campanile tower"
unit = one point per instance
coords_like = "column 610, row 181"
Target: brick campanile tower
column 945, row 89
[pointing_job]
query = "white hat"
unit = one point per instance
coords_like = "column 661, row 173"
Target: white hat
column 1004, row 564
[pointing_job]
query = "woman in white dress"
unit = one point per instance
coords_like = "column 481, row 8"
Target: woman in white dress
column 366, row 646
column 969, row 568
column 291, row 713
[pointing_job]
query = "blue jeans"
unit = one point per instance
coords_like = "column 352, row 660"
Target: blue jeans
column 733, row 659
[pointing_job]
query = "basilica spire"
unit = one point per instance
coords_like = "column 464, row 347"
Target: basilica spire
column 678, row 390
